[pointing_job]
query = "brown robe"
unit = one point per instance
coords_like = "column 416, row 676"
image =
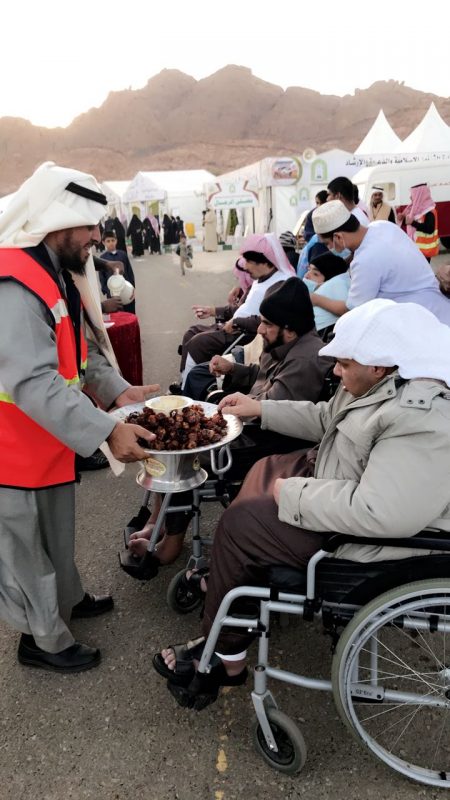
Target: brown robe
column 250, row 538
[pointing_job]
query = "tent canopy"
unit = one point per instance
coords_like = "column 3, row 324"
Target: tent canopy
column 380, row 139
column 431, row 135
column 115, row 190
column 155, row 185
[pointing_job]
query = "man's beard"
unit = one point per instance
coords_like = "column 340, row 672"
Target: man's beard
column 70, row 257
column 269, row 346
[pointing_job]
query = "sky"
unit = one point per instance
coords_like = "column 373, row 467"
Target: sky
column 59, row 59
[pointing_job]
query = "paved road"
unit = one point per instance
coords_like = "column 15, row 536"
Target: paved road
column 114, row 733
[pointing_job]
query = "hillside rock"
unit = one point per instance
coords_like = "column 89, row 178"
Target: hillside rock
column 221, row 122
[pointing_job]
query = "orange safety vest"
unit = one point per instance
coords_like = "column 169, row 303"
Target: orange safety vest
column 30, row 456
column 428, row 243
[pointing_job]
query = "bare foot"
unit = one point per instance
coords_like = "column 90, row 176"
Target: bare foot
column 138, row 546
column 169, row 658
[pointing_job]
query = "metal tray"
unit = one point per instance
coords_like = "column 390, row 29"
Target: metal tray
column 234, row 429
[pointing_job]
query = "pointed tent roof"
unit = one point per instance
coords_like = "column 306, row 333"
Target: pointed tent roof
column 155, row 185
column 380, row 139
column 431, row 135
column 115, row 190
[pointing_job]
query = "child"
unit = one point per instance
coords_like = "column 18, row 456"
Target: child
column 327, row 276
column 184, row 250
column 111, row 253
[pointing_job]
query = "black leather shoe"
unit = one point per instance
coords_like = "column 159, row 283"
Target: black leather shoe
column 76, row 658
column 92, row 605
column 175, row 388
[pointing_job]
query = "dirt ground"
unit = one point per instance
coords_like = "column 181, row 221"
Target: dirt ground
column 114, row 733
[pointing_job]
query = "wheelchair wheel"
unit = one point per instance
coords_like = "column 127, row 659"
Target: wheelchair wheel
column 181, row 598
column 391, row 679
column 291, row 745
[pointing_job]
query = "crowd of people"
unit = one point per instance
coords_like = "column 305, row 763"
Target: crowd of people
column 361, row 303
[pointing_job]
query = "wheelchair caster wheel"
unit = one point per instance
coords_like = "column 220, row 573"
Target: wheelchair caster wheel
column 181, row 598
column 291, row 755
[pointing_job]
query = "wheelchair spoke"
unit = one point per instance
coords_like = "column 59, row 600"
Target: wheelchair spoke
column 427, row 647
column 398, row 702
column 402, row 662
column 412, row 675
column 438, row 743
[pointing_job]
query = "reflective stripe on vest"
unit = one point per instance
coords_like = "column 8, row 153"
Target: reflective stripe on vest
column 31, row 457
column 428, row 243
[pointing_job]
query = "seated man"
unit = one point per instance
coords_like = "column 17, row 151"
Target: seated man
column 386, row 263
column 289, row 368
column 289, row 360
column 379, row 471
column 267, row 264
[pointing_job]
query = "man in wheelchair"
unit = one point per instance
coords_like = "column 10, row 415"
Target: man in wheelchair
column 289, row 368
column 289, row 359
column 380, row 469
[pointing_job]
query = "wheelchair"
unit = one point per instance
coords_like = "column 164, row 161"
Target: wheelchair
column 180, row 597
column 390, row 675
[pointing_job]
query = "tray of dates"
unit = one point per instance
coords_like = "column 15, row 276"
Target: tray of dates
column 195, row 427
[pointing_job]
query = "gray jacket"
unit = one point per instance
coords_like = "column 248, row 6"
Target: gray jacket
column 383, row 465
column 29, row 373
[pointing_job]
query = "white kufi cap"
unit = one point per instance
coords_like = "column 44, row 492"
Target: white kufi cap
column 329, row 216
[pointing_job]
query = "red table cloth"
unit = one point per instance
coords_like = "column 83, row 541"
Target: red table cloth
column 125, row 338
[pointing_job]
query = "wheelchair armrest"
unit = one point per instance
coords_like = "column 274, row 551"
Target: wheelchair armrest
column 425, row 540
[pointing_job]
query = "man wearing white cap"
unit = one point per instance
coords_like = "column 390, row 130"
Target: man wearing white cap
column 381, row 469
column 46, row 233
column 386, row 263
column 378, row 209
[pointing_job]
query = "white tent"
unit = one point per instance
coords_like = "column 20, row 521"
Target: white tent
column 114, row 191
column 380, row 139
column 284, row 187
column 432, row 135
column 178, row 192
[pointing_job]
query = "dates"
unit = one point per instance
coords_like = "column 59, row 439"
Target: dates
column 185, row 429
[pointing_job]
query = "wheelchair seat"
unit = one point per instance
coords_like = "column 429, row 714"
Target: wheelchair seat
column 354, row 582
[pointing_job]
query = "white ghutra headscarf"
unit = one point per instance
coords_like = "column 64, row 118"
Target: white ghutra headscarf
column 53, row 199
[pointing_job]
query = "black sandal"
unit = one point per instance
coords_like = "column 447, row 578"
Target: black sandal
column 193, row 584
column 204, row 686
column 184, row 670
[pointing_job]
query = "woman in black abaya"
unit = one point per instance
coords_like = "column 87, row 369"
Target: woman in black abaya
column 135, row 230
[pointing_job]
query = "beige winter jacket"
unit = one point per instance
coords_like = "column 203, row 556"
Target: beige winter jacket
column 383, row 466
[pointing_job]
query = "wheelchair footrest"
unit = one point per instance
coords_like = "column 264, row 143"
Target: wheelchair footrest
column 143, row 569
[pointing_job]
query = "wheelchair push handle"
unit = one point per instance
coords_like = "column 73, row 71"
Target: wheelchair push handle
column 217, row 465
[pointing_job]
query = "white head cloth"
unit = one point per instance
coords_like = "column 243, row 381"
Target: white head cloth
column 268, row 245
column 382, row 333
column 43, row 205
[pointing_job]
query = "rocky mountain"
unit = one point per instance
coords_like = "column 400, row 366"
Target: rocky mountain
column 219, row 123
